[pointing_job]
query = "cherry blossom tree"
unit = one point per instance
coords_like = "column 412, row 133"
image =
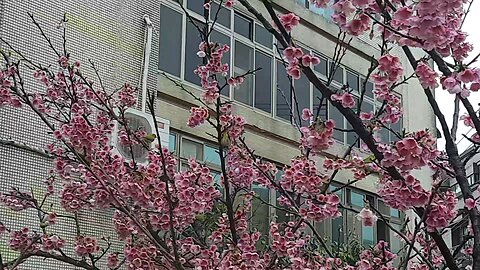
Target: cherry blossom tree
column 170, row 219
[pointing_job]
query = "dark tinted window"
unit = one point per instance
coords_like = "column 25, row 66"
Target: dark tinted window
column 322, row 67
column 220, row 38
column 368, row 88
column 243, row 26
column 170, row 41
column 336, row 116
column 263, row 37
column 196, row 6
column 302, row 94
column 338, row 76
column 263, row 82
column 223, row 15
column 192, row 61
column 317, row 98
column 283, row 92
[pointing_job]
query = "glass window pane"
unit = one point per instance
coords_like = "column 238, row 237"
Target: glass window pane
column 260, row 211
column 196, row 6
column 283, row 93
column 317, row 97
column 211, row 155
column 263, row 82
column 368, row 88
column 303, row 3
column 383, row 208
column 282, row 216
column 397, row 127
column 170, row 41
column 338, row 76
column 302, row 95
column 356, row 199
column 352, row 81
column 367, row 236
column 243, row 26
column 263, row 37
column 243, row 64
column 352, row 136
column 394, row 213
column 336, row 116
column 337, row 229
column 221, row 38
column 322, row 68
column 338, row 192
column 395, row 244
column 192, row 61
column 172, row 143
column 223, row 15
column 191, row 149
column 383, row 232
column 383, row 135
column 367, row 106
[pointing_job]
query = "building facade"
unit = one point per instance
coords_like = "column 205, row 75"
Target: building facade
column 115, row 35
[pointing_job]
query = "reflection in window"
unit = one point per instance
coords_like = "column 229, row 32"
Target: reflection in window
column 356, row 199
column 367, row 236
column 191, row 149
column 211, row 155
column 394, row 213
column 243, row 64
column 170, row 41
column 263, row 82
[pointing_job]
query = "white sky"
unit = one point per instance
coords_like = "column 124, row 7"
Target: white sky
column 445, row 100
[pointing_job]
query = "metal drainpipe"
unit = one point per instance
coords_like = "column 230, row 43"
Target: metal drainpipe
column 146, row 59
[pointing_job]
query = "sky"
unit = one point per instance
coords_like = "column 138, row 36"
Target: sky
column 445, row 99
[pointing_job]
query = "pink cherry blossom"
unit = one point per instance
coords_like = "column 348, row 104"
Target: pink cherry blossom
column 367, row 217
column 289, row 21
column 470, row 203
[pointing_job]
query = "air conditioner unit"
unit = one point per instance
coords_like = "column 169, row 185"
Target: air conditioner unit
column 138, row 120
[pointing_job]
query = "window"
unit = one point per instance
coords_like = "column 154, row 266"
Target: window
column 283, row 93
column 222, row 14
column 476, row 173
column 196, row 6
column 243, row 63
column 172, row 142
column 211, row 155
column 192, row 61
column 191, row 149
column 269, row 90
column 263, row 83
column 243, row 26
column 170, row 41
column 263, row 37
